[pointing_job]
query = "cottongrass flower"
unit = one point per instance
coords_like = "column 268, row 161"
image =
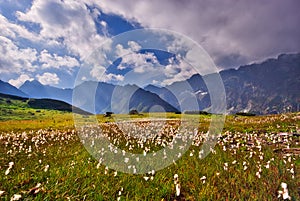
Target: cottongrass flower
column 293, row 173
column 225, row 166
column 201, row 152
column 10, row 165
column 46, row 168
column 245, row 165
column 224, row 148
column 120, row 193
column 177, row 189
column 7, row 171
column 134, row 169
column 268, row 165
column 284, row 192
column 106, row 170
column 203, row 179
column 16, row 197
column 258, row 174
column 36, row 189
column 177, row 185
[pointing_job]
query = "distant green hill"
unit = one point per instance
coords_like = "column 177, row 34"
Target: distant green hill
column 15, row 107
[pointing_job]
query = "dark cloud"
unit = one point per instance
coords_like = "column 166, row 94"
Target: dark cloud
column 253, row 30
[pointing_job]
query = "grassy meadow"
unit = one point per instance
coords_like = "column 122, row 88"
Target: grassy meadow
column 42, row 158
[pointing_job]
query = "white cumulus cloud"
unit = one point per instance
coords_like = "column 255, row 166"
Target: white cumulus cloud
column 20, row 80
column 14, row 59
column 48, row 78
column 55, row 61
column 69, row 23
column 13, row 30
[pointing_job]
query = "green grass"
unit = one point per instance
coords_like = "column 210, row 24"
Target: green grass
column 18, row 108
column 73, row 174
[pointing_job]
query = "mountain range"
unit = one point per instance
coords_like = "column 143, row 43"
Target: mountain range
column 7, row 88
column 261, row 88
column 272, row 86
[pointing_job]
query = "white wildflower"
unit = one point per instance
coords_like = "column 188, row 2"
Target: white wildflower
column 267, row 166
column 11, row 164
column 175, row 178
column 225, row 166
column 106, row 170
column 284, row 193
column 177, row 184
column 7, row 171
column 258, row 174
column 46, row 168
column 203, row 179
column 16, row 197
column 177, row 189
column 224, row 148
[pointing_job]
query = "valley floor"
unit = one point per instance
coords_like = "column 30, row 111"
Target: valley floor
column 44, row 159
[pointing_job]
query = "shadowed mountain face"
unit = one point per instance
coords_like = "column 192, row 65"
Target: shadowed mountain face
column 102, row 97
column 183, row 95
column 7, row 88
column 37, row 90
column 268, row 87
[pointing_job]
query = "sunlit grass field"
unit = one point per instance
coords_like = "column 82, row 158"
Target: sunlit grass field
column 42, row 158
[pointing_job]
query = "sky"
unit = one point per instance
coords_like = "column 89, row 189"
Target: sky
column 63, row 42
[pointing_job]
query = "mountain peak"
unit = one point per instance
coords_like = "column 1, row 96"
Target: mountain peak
column 32, row 82
column 9, row 89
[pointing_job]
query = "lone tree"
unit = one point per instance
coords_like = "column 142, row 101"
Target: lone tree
column 108, row 114
column 133, row 112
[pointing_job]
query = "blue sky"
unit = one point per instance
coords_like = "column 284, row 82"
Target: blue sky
column 51, row 41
